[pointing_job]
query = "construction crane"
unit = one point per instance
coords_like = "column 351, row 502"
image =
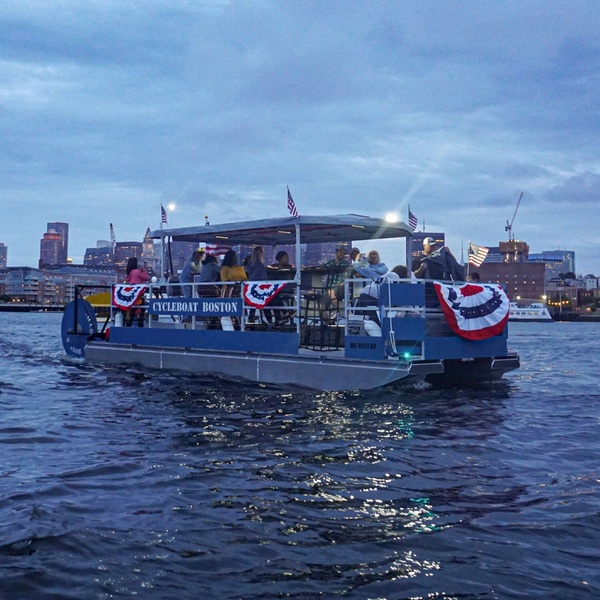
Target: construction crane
column 511, row 236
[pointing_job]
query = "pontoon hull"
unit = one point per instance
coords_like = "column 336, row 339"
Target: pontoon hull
column 315, row 372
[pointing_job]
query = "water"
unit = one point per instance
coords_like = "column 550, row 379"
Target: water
column 118, row 483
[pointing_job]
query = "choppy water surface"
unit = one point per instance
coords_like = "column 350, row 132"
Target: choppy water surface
column 124, row 483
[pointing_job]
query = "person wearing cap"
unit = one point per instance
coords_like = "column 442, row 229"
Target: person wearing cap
column 355, row 254
column 438, row 263
column 191, row 268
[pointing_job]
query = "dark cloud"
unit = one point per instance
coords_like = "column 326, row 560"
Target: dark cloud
column 110, row 108
column 580, row 189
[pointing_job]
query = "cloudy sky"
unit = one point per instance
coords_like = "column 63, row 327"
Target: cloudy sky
column 110, row 108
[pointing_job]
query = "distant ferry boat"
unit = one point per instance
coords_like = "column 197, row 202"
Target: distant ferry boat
column 536, row 311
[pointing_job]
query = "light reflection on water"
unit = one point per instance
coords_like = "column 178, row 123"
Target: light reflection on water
column 122, row 482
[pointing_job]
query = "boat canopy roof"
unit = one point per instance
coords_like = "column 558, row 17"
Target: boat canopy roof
column 274, row 232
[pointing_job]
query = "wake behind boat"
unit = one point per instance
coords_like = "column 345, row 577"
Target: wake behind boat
column 433, row 331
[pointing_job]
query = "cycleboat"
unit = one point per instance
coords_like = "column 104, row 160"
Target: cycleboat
column 282, row 331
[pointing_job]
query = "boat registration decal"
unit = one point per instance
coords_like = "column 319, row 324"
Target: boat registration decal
column 474, row 311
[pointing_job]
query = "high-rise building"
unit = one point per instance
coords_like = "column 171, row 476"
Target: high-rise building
column 123, row 251
column 3, row 254
column 50, row 249
column 63, row 230
column 557, row 262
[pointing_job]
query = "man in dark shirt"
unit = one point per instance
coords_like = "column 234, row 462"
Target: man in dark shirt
column 438, row 263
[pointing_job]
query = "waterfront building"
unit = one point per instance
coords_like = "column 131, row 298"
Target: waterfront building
column 562, row 294
column 20, row 283
column 494, row 255
column 522, row 280
column 557, row 262
column 3, row 255
column 52, row 286
column 101, row 256
column 514, row 251
column 123, row 251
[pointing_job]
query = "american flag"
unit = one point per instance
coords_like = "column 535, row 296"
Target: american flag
column 477, row 254
column 292, row 205
column 412, row 220
column 217, row 249
column 163, row 214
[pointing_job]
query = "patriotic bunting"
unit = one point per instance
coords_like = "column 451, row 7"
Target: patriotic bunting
column 126, row 295
column 260, row 293
column 474, row 311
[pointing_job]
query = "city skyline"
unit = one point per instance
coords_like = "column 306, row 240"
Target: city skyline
column 412, row 247
column 452, row 107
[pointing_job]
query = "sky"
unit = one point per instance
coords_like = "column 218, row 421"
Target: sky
column 110, row 108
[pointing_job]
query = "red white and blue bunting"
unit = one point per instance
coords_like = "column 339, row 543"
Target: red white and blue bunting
column 474, row 311
column 260, row 293
column 125, row 295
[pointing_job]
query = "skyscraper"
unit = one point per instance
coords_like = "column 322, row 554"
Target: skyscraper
column 63, row 230
column 50, row 249
column 3, row 254
column 124, row 251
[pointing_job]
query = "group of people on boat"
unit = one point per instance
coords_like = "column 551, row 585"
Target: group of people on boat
column 437, row 262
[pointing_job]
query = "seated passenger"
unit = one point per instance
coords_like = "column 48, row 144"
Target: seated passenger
column 283, row 261
column 335, row 283
column 231, row 271
column 369, row 295
column 191, row 268
column 255, row 267
column 371, row 267
column 210, row 273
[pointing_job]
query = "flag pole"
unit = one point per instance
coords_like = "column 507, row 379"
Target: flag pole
column 162, row 248
column 468, row 261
